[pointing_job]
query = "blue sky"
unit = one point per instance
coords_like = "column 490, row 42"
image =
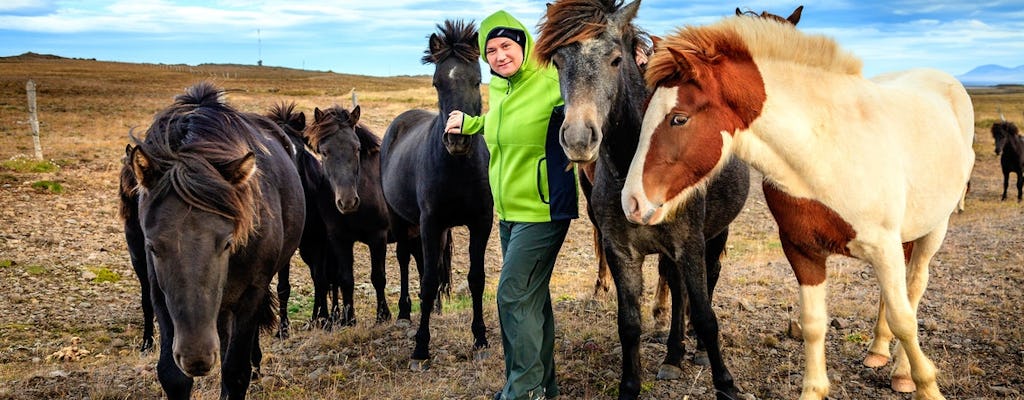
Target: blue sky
column 387, row 37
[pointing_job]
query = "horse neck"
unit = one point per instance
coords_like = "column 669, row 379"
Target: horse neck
column 622, row 125
column 1014, row 143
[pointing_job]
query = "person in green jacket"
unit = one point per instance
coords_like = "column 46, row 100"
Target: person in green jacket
column 534, row 194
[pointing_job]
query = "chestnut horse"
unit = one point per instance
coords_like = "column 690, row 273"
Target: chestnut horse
column 852, row 166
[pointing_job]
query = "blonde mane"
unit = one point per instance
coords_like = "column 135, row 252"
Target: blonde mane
column 761, row 38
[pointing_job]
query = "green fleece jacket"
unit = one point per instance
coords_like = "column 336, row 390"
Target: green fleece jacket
column 529, row 175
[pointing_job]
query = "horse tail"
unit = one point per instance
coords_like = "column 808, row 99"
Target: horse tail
column 265, row 317
column 127, row 188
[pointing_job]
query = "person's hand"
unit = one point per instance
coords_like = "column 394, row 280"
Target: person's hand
column 454, row 124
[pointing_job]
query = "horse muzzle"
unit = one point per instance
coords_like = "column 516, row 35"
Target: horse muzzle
column 457, row 144
column 196, row 357
column 580, row 142
column 347, row 204
column 641, row 211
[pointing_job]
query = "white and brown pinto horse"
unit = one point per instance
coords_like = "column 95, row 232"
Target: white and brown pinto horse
column 852, row 166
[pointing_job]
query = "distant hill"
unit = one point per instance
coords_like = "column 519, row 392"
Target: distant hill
column 991, row 75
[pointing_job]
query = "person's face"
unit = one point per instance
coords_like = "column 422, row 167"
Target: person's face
column 504, row 56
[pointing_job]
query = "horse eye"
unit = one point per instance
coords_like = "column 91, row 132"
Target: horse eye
column 617, row 61
column 227, row 244
column 679, row 119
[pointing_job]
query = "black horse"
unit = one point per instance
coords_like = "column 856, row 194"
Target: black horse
column 434, row 181
column 593, row 44
column 221, row 209
column 314, row 249
column 136, row 241
column 351, row 202
column 1010, row 147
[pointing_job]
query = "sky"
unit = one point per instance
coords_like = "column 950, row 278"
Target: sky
column 388, row 37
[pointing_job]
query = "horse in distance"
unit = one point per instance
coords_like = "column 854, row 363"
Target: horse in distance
column 434, row 181
column 593, row 43
column 853, row 166
column 1010, row 149
column 222, row 210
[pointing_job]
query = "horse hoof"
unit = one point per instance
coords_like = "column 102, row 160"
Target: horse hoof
column 875, row 360
column 481, row 354
column 903, row 384
column 147, row 345
column 419, row 365
column 403, row 323
column 669, row 372
column 701, row 358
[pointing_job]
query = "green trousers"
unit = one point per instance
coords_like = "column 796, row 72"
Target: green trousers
column 524, row 307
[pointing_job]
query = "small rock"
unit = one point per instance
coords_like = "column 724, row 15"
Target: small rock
column 1004, row 391
column 839, row 323
column 88, row 275
column 57, row 374
column 117, row 343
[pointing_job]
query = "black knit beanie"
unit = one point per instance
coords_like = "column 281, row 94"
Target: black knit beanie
column 516, row 35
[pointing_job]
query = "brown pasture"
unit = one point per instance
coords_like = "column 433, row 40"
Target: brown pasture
column 70, row 318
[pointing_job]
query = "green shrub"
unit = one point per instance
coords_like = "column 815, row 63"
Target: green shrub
column 104, row 274
column 24, row 164
column 48, row 186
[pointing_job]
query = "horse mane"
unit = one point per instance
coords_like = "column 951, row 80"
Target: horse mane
column 457, row 39
column 336, row 118
column 286, row 117
column 573, row 21
column 187, row 145
column 1000, row 128
column 761, row 38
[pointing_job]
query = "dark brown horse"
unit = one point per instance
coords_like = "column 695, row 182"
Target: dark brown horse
column 221, row 209
column 1010, row 148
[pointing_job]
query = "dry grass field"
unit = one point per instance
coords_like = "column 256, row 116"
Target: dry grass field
column 70, row 316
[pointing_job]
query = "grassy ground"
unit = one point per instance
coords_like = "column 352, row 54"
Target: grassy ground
column 70, row 322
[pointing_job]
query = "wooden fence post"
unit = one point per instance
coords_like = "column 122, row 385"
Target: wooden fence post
column 33, row 119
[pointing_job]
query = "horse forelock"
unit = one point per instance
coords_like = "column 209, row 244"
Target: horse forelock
column 284, row 115
column 187, row 145
column 574, row 21
column 458, row 39
column 335, row 119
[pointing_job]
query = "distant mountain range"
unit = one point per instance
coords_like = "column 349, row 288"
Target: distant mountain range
column 991, row 75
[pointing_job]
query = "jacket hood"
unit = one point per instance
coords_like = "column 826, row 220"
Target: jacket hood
column 502, row 19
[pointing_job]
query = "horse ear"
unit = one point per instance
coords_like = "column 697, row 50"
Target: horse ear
column 738, row 12
column 300, row 122
column 655, row 39
column 145, row 172
column 240, row 170
column 317, row 114
column 436, row 44
column 626, row 14
column 793, row 18
column 354, row 115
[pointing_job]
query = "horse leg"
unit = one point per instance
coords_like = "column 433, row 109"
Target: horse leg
column 604, row 275
column 661, row 308
column 478, row 236
column 809, row 267
column 378, row 253
column 403, row 250
column 433, row 240
column 175, row 383
column 924, row 249
column 284, row 291
column 705, row 322
column 1020, row 185
column 1006, row 183
column 237, row 359
column 669, row 273
column 346, row 281
column 137, row 253
column 629, row 290
column 878, row 350
column 714, row 249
